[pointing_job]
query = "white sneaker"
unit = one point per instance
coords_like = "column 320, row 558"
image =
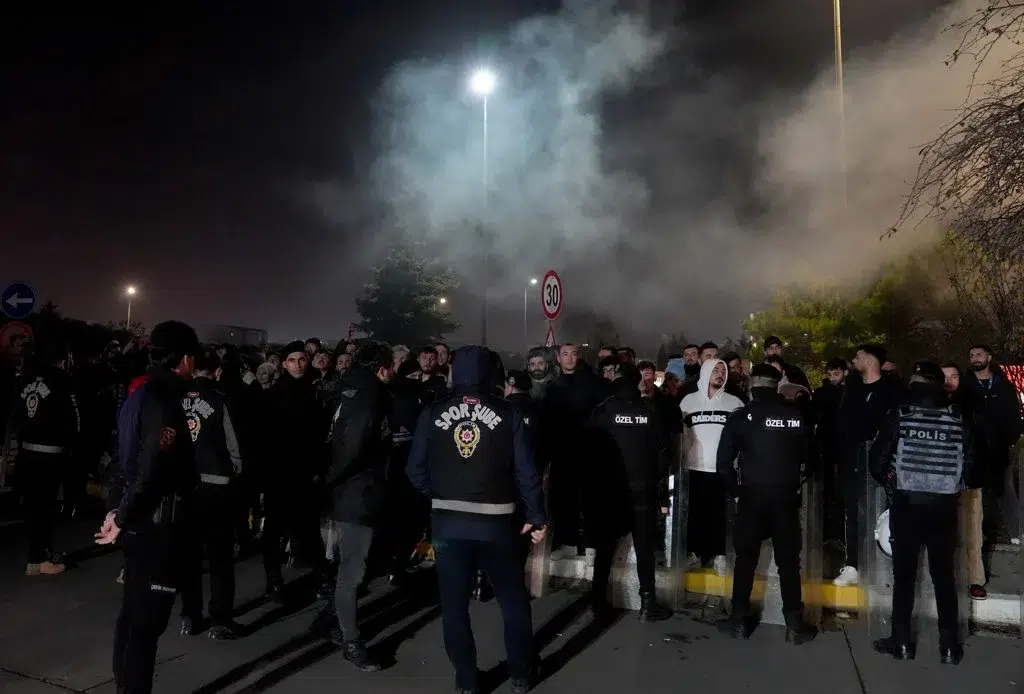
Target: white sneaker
column 591, row 554
column 1015, row 541
column 693, row 562
column 847, row 577
column 721, row 565
column 563, row 553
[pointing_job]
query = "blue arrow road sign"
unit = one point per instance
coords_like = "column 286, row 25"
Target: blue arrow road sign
column 18, row 300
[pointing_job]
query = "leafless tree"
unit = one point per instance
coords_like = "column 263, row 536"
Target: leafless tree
column 971, row 176
column 990, row 289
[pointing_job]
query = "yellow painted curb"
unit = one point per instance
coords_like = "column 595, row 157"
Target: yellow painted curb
column 707, row 582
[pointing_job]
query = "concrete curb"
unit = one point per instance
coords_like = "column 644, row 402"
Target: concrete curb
column 998, row 611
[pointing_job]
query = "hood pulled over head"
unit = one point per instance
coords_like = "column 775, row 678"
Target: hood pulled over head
column 472, row 368
column 704, row 381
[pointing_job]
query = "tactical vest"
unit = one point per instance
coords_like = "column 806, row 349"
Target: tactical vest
column 930, row 453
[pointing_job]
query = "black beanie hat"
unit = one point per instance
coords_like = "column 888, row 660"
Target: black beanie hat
column 292, row 348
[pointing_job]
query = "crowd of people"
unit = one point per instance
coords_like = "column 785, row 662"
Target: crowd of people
column 344, row 460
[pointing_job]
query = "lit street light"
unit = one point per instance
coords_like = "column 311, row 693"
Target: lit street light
column 526, row 293
column 442, row 301
column 129, row 292
column 482, row 83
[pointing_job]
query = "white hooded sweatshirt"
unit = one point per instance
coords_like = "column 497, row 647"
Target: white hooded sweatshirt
column 704, row 417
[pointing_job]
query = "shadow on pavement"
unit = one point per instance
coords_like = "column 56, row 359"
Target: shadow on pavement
column 547, row 634
column 418, row 602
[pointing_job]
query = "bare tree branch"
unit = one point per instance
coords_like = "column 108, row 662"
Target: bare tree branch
column 971, row 176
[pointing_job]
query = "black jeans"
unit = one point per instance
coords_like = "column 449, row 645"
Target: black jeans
column 216, row 533
column 932, row 524
column 644, row 518
column 353, row 547
column 775, row 513
column 149, row 593
column 41, row 475
column 456, row 565
column 852, row 487
column 707, row 516
column 290, row 513
column 566, row 503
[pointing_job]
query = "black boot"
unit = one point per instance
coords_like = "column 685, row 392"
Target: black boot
column 651, row 611
column 797, row 630
column 190, row 626
column 951, row 655
column 355, row 652
column 900, row 650
column 275, row 590
column 226, row 631
column 735, row 627
column 599, row 607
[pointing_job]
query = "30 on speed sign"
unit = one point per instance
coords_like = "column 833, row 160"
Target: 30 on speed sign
column 551, row 295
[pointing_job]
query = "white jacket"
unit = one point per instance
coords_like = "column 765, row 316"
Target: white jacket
column 704, row 418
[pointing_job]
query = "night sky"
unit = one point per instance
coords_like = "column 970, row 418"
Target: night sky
column 175, row 149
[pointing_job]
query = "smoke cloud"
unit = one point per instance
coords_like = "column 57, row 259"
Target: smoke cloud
column 670, row 197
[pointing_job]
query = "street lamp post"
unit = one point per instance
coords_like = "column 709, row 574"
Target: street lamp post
column 526, row 294
column 837, row 30
column 129, row 292
column 482, row 83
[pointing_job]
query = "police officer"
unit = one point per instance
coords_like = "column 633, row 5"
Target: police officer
column 46, row 421
column 923, row 454
column 471, row 455
column 773, row 444
column 150, row 508
column 219, row 463
column 632, row 455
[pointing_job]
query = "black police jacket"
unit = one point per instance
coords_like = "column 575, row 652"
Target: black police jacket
column 156, row 473
column 771, row 440
column 46, row 416
column 631, row 443
column 471, row 452
column 217, row 453
column 360, row 448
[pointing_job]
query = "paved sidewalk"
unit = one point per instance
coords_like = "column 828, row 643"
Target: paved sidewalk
column 55, row 637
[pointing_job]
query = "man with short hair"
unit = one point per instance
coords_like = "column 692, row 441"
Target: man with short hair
column 826, row 400
column 708, row 350
column 356, row 481
column 794, row 374
column 298, row 448
column 997, row 410
column 865, row 402
column 568, row 402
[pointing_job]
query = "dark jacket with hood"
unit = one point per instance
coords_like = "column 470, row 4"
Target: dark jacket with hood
column 472, row 456
column 360, row 448
column 995, row 411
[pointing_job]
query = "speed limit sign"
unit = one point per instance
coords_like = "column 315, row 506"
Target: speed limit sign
column 551, row 295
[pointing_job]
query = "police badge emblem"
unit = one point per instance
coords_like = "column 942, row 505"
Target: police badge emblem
column 32, row 404
column 467, row 437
